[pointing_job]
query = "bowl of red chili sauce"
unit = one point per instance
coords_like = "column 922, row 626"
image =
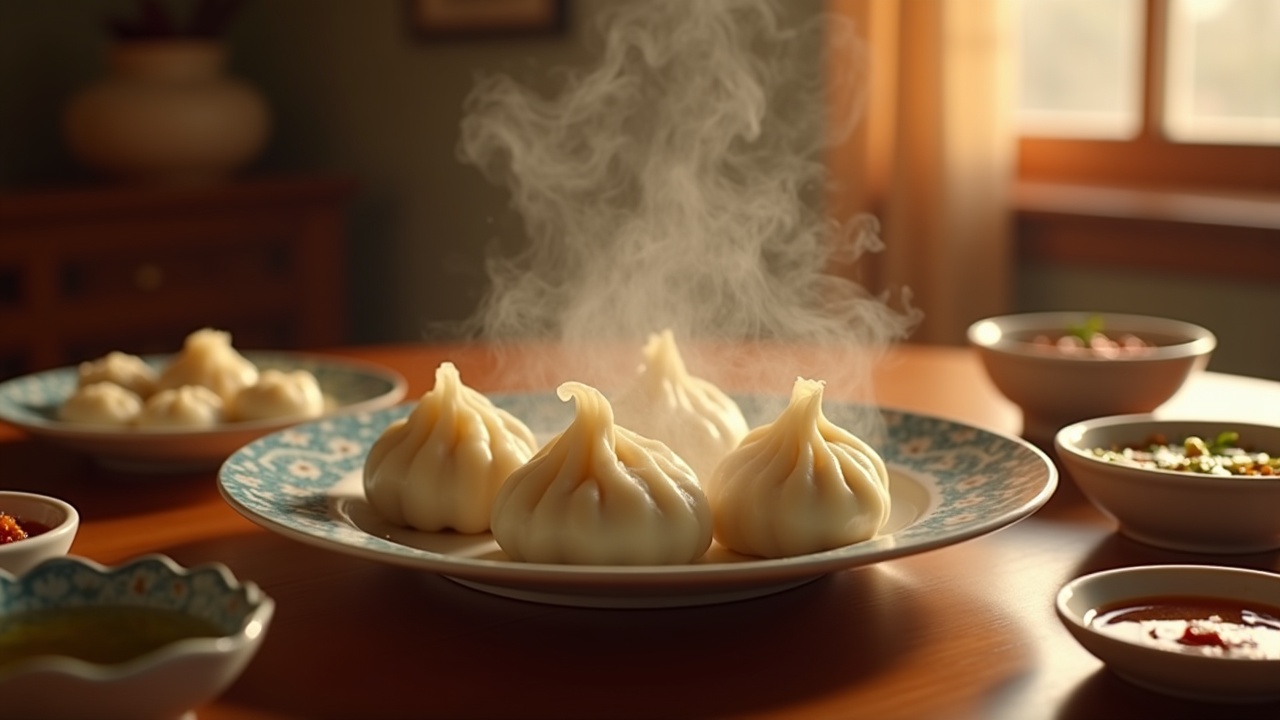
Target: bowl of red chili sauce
column 32, row 528
column 1193, row 631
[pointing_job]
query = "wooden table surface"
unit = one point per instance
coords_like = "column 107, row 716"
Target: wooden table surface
column 966, row 631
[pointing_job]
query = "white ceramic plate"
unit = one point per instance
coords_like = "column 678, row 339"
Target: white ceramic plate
column 1184, row 675
column 949, row 482
column 31, row 402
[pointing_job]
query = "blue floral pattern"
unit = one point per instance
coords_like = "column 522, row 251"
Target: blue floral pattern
column 208, row 592
column 977, row 481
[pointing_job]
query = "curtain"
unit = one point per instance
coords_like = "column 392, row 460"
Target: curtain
column 933, row 153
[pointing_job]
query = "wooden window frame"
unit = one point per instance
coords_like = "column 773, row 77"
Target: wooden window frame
column 1149, row 204
column 1151, row 160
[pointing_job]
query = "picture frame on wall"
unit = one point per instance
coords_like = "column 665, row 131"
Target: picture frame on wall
column 444, row 19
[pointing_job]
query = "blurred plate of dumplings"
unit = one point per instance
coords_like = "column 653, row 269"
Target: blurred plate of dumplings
column 190, row 410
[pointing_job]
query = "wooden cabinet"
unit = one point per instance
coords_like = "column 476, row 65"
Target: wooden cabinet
column 86, row 271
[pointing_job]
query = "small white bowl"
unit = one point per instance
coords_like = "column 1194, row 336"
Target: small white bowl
column 57, row 518
column 1186, row 675
column 1183, row 511
column 1054, row 389
column 165, row 682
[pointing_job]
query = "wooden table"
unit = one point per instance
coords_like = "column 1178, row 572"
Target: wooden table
column 967, row 631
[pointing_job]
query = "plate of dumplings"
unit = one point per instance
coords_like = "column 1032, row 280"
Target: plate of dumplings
column 187, row 412
column 666, row 493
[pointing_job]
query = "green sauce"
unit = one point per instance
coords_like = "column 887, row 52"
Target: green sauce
column 102, row 635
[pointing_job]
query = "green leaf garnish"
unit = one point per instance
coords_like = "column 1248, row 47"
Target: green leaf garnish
column 1225, row 440
column 1091, row 326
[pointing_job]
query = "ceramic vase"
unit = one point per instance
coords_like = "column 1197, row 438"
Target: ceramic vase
column 167, row 113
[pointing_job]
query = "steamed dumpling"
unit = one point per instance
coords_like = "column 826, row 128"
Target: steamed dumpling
column 691, row 415
column 128, row 371
column 189, row 406
column 799, row 484
column 208, row 359
column 101, row 403
column 599, row 494
column 441, row 466
column 279, row 394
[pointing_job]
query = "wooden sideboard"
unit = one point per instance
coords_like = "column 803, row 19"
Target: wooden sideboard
column 91, row 269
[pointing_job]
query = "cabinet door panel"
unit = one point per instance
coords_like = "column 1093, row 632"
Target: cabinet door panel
column 235, row 265
column 84, row 271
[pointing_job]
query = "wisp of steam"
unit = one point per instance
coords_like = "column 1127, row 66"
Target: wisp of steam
column 678, row 183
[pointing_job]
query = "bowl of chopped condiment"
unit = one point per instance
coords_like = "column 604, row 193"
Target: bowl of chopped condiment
column 1207, row 486
column 33, row 528
column 1062, row 367
column 148, row 638
column 1192, row 631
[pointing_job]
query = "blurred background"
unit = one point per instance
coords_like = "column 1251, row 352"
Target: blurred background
column 1019, row 155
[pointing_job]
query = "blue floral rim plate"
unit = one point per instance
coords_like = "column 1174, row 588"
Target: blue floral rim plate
column 31, row 402
column 949, row 482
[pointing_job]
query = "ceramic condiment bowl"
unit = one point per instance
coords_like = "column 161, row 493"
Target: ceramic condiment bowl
column 1178, row 510
column 49, row 523
column 1054, row 387
column 1199, row 670
column 145, row 639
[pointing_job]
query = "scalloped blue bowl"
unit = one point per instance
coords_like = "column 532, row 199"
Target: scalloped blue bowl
column 166, row 682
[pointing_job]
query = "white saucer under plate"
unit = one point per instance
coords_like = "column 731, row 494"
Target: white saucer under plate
column 31, row 402
column 949, row 482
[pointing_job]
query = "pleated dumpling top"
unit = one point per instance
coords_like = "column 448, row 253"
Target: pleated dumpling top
column 186, row 406
column 798, row 485
column 440, row 466
column 280, row 394
column 694, row 417
column 600, row 494
column 208, row 359
column 128, row 371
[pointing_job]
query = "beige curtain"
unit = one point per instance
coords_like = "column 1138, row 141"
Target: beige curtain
column 933, row 156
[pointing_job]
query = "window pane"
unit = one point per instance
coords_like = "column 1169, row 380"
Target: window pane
column 1223, row 71
column 1080, row 68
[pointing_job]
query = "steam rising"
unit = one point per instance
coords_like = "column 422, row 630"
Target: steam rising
column 677, row 184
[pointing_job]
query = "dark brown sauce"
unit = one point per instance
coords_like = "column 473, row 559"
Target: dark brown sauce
column 1194, row 624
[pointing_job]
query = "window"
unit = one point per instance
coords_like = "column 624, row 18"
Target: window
column 1222, row 73
column 1150, row 93
column 1081, row 68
